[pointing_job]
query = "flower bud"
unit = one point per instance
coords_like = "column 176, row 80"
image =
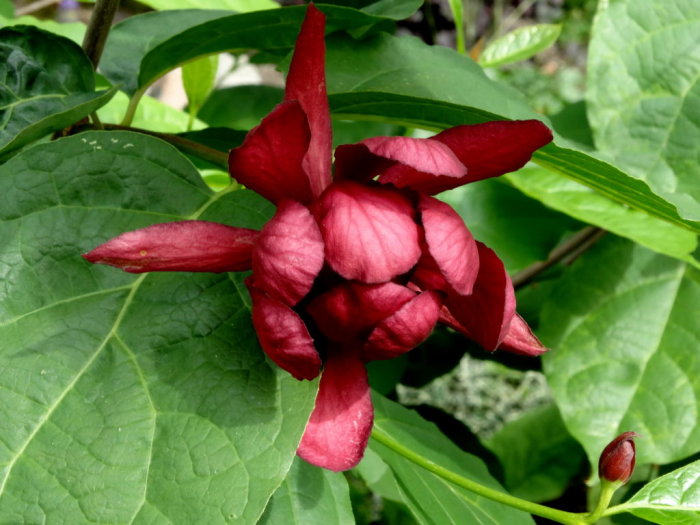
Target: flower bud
column 617, row 460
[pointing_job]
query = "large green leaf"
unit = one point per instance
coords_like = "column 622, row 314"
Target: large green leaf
column 431, row 499
column 143, row 48
column 132, row 39
column 644, row 95
column 570, row 197
column 241, row 6
column 538, row 455
column 310, row 495
column 129, row 399
column 519, row 44
column 673, row 499
column 46, row 84
column 393, row 79
column 623, row 326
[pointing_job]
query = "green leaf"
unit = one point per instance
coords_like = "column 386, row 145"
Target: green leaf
column 7, row 9
column 71, row 30
column 644, row 96
column 143, row 48
column 673, row 499
column 310, row 495
column 198, row 78
column 519, row 44
column 133, row 398
column 576, row 200
column 240, row 107
column 242, row 6
column 524, row 235
column 132, row 39
column 430, row 498
column 393, row 9
column 623, row 327
column 47, row 85
column 538, row 455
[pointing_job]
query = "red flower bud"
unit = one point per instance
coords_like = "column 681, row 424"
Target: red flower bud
column 617, row 460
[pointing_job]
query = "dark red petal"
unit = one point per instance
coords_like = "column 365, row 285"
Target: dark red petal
column 288, row 254
column 283, row 336
column 369, row 231
column 349, row 311
column 366, row 159
column 408, row 327
column 521, row 340
column 616, row 463
column 306, row 82
column 270, row 159
column 185, row 246
column 450, row 244
column 340, row 425
column 487, row 313
column 487, row 150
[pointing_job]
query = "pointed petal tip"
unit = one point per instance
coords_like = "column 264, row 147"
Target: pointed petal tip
column 521, row 340
column 340, row 425
column 189, row 246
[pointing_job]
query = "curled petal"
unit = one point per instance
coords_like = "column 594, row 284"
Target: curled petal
column 288, row 254
column 340, row 425
column 283, row 336
column 349, row 311
column 369, row 231
column 408, row 327
column 270, row 159
column 450, row 244
column 487, row 150
column 306, row 82
column 487, row 313
column 521, row 340
column 191, row 246
column 364, row 160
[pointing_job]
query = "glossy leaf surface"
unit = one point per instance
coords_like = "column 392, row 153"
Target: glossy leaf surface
column 47, row 85
column 673, row 499
column 310, row 496
column 108, row 377
column 644, row 96
column 623, row 321
column 519, row 44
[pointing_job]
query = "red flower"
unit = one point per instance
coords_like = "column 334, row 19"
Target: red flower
column 355, row 269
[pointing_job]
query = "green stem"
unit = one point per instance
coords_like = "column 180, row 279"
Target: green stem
column 607, row 489
column 133, row 104
column 560, row 516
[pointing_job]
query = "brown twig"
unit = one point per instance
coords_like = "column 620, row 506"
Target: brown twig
column 212, row 155
column 34, row 7
column 566, row 252
column 98, row 29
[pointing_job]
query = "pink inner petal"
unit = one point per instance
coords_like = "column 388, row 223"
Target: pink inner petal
column 284, row 336
column 306, row 82
column 369, row 231
column 521, row 340
column 405, row 329
column 368, row 158
column 349, row 311
column 487, row 313
column 270, row 159
column 450, row 243
column 340, row 425
column 487, row 150
column 288, row 254
column 192, row 246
